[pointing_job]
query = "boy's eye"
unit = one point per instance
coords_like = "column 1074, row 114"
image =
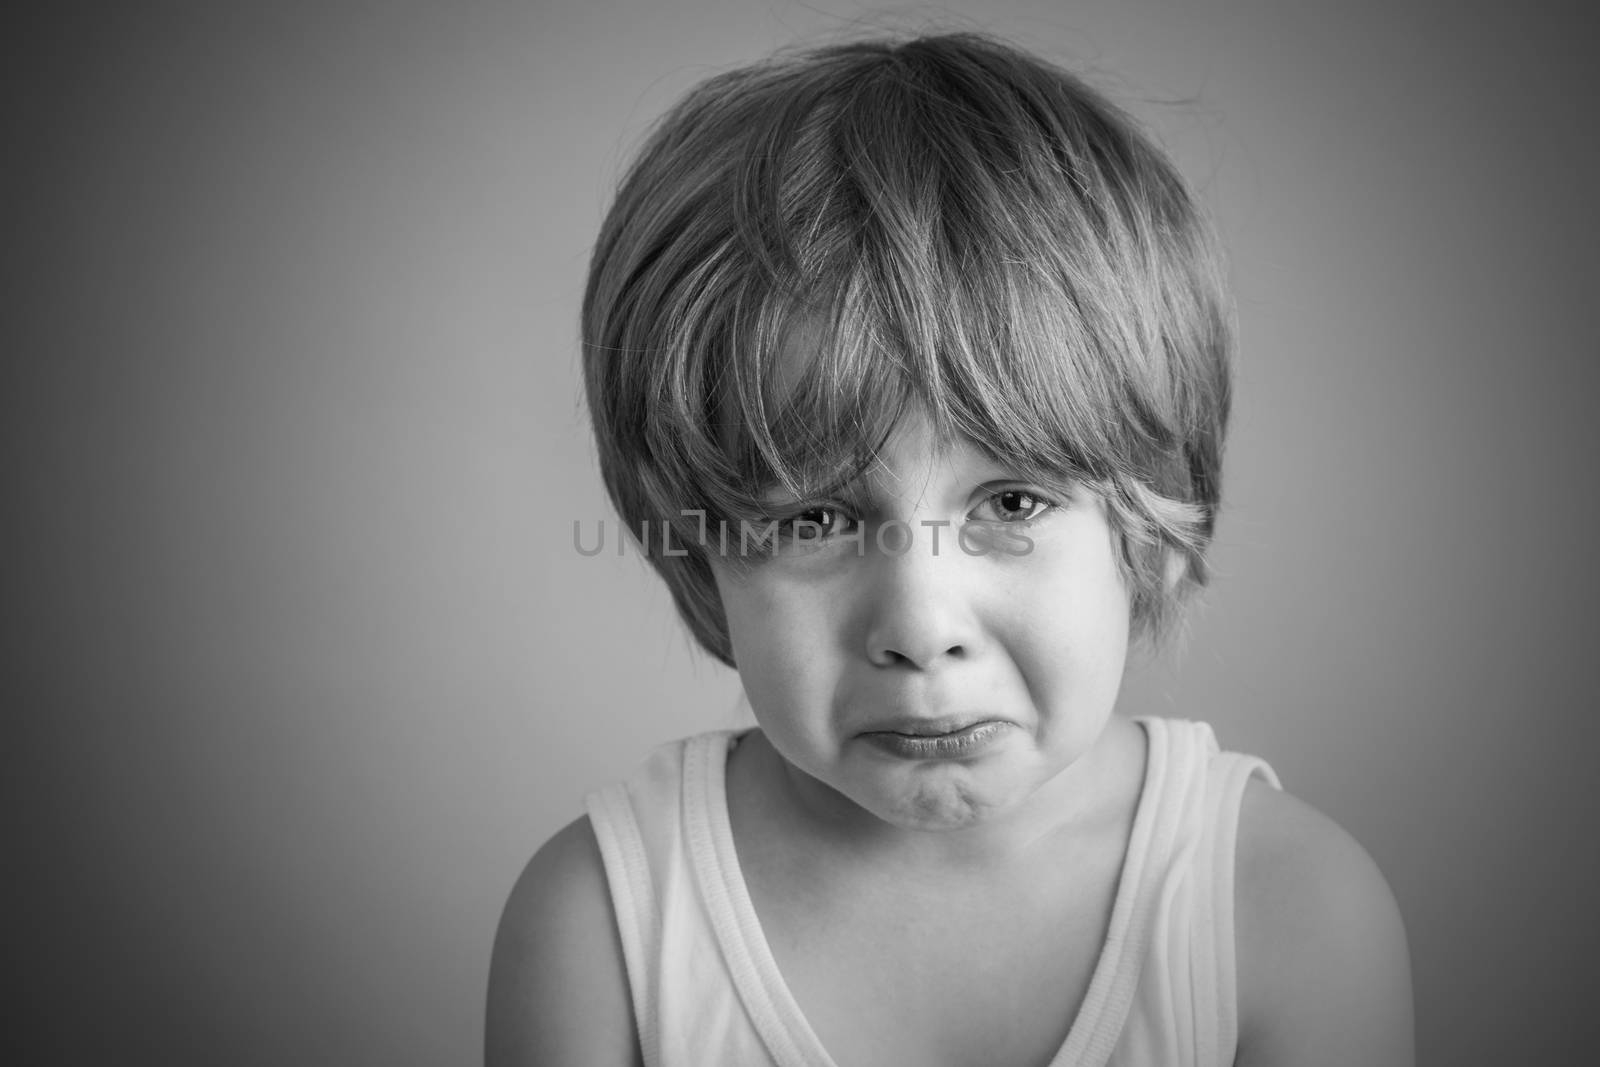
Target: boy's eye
column 815, row 523
column 1015, row 505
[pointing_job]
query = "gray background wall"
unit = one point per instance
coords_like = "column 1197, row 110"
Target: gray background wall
column 301, row 666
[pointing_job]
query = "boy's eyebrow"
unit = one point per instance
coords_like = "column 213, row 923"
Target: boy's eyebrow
column 859, row 494
column 851, row 492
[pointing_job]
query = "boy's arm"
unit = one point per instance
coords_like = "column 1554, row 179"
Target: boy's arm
column 1323, row 969
column 558, row 986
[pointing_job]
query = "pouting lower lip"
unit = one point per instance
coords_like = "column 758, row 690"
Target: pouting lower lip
column 964, row 741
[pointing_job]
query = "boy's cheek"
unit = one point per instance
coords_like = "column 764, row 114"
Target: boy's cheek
column 990, row 539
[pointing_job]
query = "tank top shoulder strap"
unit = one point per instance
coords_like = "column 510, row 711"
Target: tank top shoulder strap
column 1227, row 775
column 1184, row 1012
column 637, row 827
column 663, row 838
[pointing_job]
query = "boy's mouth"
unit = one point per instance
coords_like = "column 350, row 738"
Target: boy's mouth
column 943, row 726
column 937, row 738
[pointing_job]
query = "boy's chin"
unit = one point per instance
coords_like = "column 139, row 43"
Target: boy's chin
column 938, row 802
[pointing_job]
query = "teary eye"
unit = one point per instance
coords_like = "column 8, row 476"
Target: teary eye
column 1016, row 505
column 814, row 523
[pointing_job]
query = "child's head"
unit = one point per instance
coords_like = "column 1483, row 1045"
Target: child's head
column 812, row 248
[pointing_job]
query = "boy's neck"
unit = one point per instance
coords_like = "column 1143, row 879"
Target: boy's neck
column 1097, row 793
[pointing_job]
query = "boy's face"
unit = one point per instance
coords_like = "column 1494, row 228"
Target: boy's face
column 937, row 686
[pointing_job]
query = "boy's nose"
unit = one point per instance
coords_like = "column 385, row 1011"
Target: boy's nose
column 919, row 616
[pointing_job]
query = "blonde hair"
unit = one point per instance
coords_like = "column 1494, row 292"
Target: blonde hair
column 951, row 224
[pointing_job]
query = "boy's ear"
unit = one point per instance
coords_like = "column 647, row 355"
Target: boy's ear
column 1175, row 567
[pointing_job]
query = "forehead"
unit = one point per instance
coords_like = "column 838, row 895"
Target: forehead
column 808, row 405
column 799, row 350
column 917, row 466
column 829, row 405
column 917, row 460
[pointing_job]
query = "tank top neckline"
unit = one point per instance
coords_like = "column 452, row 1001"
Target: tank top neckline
column 776, row 1014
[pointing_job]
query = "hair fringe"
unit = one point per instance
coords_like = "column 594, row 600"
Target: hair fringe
column 810, row 247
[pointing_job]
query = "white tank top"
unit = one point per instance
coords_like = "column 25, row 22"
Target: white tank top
column 706, row 990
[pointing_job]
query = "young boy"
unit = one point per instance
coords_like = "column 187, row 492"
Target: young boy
column 911, row 362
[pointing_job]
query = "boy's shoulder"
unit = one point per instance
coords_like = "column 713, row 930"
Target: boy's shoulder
column 558, row 984
column 1324, row 973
